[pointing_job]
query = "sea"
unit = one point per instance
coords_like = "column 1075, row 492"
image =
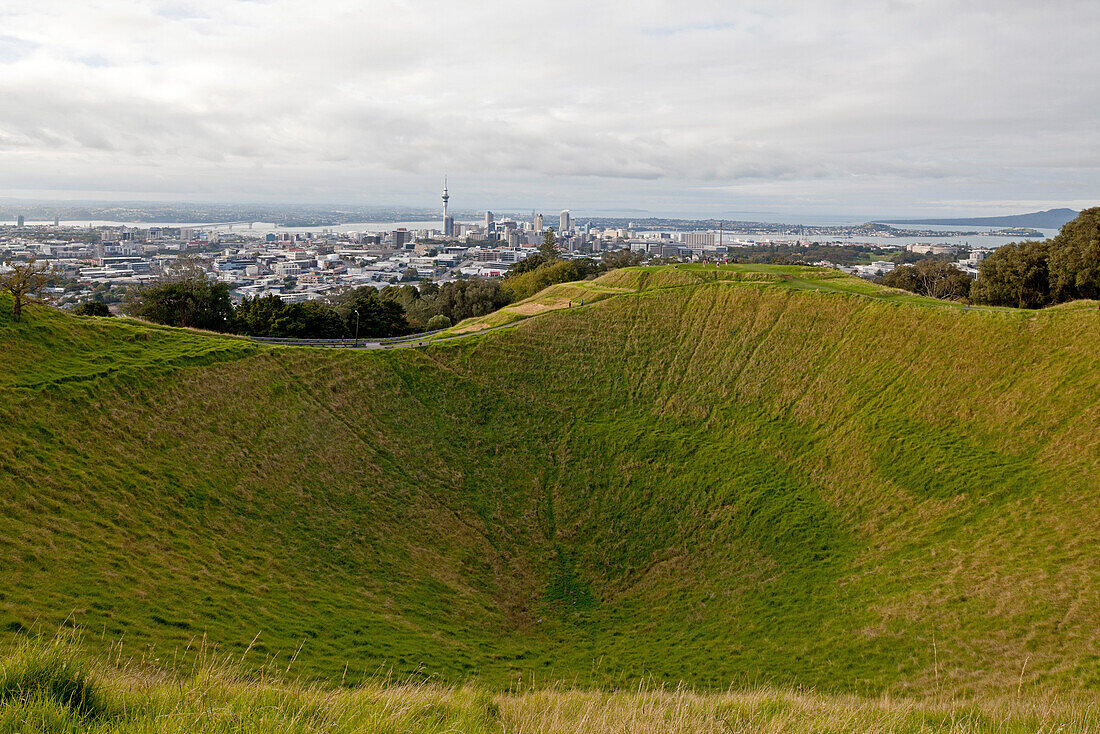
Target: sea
column 980, row 240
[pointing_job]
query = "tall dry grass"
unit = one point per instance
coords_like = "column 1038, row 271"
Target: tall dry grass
column 49, row 686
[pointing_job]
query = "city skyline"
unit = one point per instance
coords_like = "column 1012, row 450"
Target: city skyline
column 694, row 108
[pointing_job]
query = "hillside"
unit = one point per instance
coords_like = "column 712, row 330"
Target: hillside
column 1049, row 219
column 746, row 475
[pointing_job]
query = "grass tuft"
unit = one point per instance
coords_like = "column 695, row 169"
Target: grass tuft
column 45, row 677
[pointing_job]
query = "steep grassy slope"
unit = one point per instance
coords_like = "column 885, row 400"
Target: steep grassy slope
column 696, row 478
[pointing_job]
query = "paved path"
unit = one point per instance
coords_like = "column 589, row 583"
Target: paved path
column 395, row 343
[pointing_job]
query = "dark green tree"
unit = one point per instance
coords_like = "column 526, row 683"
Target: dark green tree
column 254, row 316
column 92, row 308
column 457, row 300
column 378, row 317
column 528, row 284
column 527, row 264
column 406, row 295
column 549, row 247
column 1075, row 258
column 1015, row 275
column 191, row 301
column 309, row 320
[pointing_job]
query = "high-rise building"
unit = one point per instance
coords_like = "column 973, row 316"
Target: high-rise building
column 56, row 220
column 401, row 237
column 564, row 225
column 19, row 221
column 448, row 223
column 538, row 223
column 488, row 222
column 697, row 239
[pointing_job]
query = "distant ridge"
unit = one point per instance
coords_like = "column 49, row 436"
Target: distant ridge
column 1049, row 219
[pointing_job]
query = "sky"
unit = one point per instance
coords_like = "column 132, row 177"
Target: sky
column 693, row 107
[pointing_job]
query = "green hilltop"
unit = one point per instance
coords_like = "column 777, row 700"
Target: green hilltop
column 736, row 475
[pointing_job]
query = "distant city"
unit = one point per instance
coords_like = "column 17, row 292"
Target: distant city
column 305, row 253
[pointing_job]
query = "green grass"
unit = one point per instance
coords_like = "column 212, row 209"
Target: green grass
column 756, row 475
column 212, row 696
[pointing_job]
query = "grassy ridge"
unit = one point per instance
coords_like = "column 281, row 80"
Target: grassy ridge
column 751, row 475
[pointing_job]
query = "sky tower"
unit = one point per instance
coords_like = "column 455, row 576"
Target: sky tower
column 448, row 223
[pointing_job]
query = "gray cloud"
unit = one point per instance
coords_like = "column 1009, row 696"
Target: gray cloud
column 825, row 106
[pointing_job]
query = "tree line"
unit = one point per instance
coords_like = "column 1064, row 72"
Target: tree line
column 359, row 312
column 1030, row 274
column 187, row 298
column 1043, row 273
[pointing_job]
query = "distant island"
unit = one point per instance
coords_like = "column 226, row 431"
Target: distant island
column 1049, row 219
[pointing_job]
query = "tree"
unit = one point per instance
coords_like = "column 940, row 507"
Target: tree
column 523, row 286
column 309, row 320
column 527, row 264
column 24, row 281
column 92, row 308
column 933, row 278
column 1015, row 275
column 255, row 316
column 271, row 316
column 549, row 247
column 439, row 321
column 378, row 317
column 457, row 300
column 1075, row 258
column 613, row 259
column 189, row 301
column 406, row 295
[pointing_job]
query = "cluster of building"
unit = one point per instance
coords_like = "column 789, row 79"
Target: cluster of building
column 301, row 265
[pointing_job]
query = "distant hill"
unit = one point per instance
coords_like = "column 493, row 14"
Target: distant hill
column 754, row 474
column 1050, row 219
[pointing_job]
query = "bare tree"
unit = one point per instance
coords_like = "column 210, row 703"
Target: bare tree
column 24, row 281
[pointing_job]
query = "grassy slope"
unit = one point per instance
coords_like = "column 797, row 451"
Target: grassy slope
column 695, row 478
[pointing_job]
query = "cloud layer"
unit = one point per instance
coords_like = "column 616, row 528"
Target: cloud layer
column 899, row 107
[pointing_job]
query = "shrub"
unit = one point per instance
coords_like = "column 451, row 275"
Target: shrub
column 437, row 322
column 92, row 308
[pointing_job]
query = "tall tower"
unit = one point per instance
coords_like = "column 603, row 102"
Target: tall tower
column 448, row 226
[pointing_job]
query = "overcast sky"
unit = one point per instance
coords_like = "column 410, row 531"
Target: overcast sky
column 693, row 106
